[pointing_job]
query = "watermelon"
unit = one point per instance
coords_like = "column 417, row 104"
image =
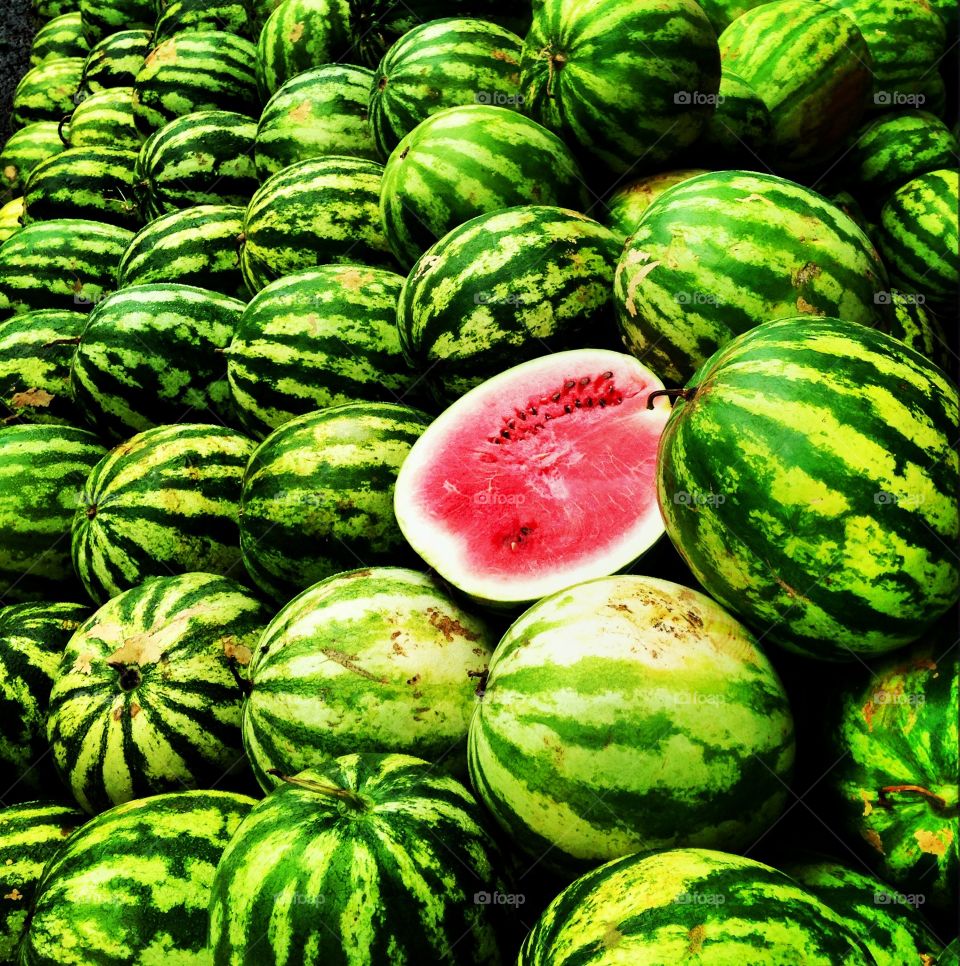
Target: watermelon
column 298, row 35
column 318, row 495
column 506, row 287
column 364, row 661
column 627, row 84
column 919, row 328
column 165, row 502
column 510, row 525
column 32, row 638
column 647, row 695
column 812, row 69
column 181, row 16
column 317, row 212
column 42, row 469
column 168, row 648
column 887, row 923
column 320, row 338
column 151, row 355
column 722, row 13
column 440, row 64
column 206, row 70
column 627, row 204
column 10, row 215
column 48, row 9
column 197, row 246
column 465, row 161
column 61, row 264
column 720, row 253
column 104, row 120
column 131, row 887
column 739, row 130
column 897, row 778
column 366, row 859
column 918, row 236
column 24, row 150
column 60, row 37
column 31, row 835
column 205, row 158
column 35, row 353
column 47, row 92
column 815, row 491
column 321, row 111
column 94, row 183
column 115, row 61
column 693, row 905
column 896, row 148
column 104, row 17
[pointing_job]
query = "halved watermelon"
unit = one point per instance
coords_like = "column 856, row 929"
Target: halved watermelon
column 539, row 478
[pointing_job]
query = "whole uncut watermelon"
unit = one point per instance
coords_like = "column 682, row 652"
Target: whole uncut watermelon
column 115, row 61
column 131, row 887
column 626, row 83
column 636, row 691
column 318, row 495
column 24, row 150
column 31, row 835
column 897, row 780
column 104, row 120
column 60, row 37
column 720, row 253
column 368, row 859
column 913, row 323
column 180, row 16
column 104, row 17
column 168, row 650
column 820, row 507
column 10, row 215
column 738, row 133
column 690, row 905
column 625, row 207
column 47, row 92
column 32, row 638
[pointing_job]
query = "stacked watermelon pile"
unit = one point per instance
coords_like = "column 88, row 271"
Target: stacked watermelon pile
column 478, row 484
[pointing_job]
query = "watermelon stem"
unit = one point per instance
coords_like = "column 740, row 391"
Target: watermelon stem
column 482, row 676
column 245, row 684
column 688, row 393
column 63, row 121
column 887, row 790
column 344, row 794
column 73, row 341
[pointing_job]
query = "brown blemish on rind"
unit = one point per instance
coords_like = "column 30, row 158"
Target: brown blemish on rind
column 346, row 661
column 449, row 626
column 696, row 936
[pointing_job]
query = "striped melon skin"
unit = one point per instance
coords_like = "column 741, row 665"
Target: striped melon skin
column 42, row 471
column 318, row 212
column 24, row 150
column 814, row 460
column 32, row 638
column 506, row 287
column 660, row 701
column 104, row 17
column 897, row 773
column 439, row 64
column 299, row 35
column 197, row 246
column 313, row 339
column 60, row 37
column 918, row 236
column 47, row 92
column 680, row 297
column 393, row 882
column 722, row 13
column 204, row 158
column 686, row 903
column 180, row 16
column 115, row 61
column 206, row 70
column 811, row 67
column 35, row 353
column 94, row 184
column 131, row 887
column 894, row 931
column 465, row 161
column 145, row 699
column 627, row 204
column 321, row 111
column 739, row 130
column 371, row 660
column 624, row 84
column 65, row 263
column 911, row 322
column 48, row 9
column 104, row 120
column 151, row 355
column 31, row 835
column 318, row 495
column 10, row 215
column 165, row 502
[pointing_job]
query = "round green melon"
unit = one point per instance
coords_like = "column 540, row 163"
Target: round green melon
column 10, row 215
column 24, row 150
column 738, row 133
column 60, row 37
column 104, row 120
column 180, row 16
column 626, row 205
column 104, row 17
column 47, row 92
column 115, row 61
